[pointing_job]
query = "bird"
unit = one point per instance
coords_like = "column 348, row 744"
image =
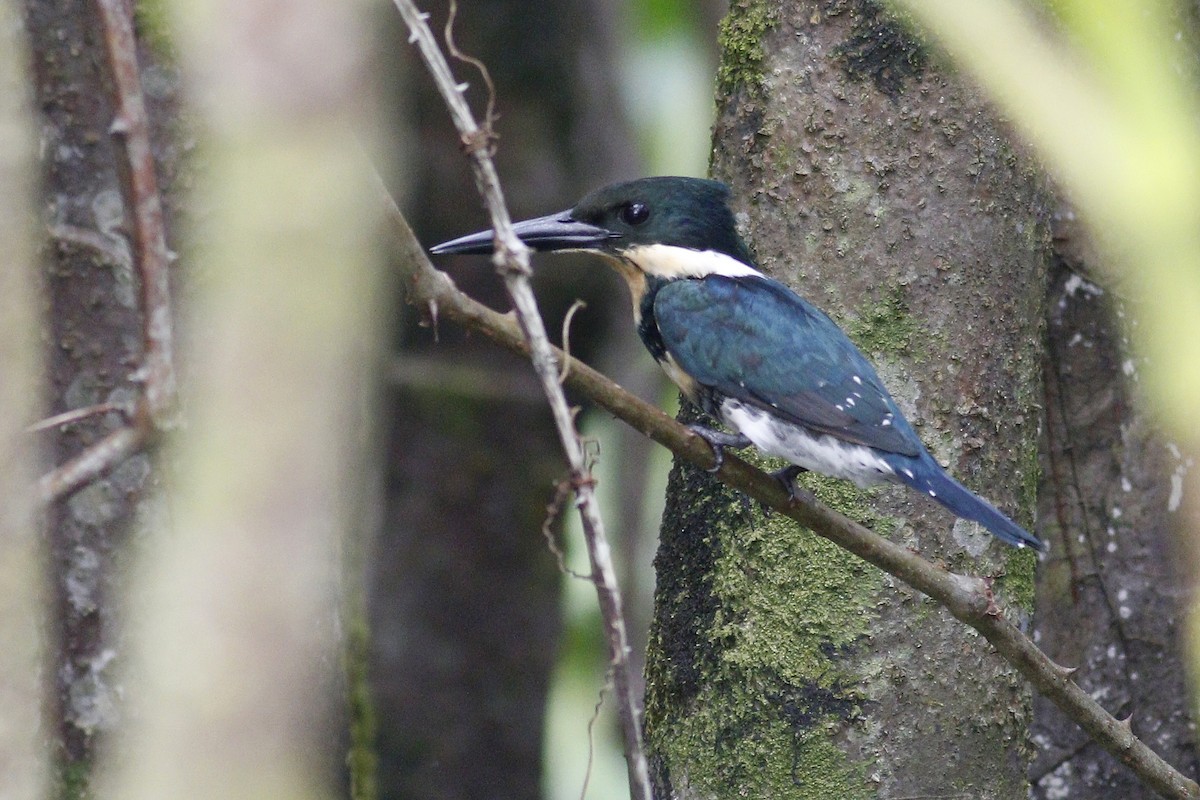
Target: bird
column 743, row 347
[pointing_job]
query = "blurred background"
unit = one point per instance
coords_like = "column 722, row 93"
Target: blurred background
column 487, row 660
column 484, row 656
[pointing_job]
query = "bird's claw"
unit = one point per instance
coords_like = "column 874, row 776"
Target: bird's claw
column 718, row 441
column 787, row 479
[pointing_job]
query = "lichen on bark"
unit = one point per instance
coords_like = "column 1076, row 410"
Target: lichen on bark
column 882, row 189
column 740, row 37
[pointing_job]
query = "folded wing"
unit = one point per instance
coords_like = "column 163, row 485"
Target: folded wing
column 753, row 339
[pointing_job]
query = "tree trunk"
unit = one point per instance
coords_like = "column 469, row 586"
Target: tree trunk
column 1113, row 595
column 1113, row 592
column 93, row 348
column 883, row 189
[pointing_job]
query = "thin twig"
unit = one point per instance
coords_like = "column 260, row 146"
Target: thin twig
column 143, row 208
column 97, row 460
column 75, row 415
column 562, row 490
column 967, row 598
column 566, row 335
column 489, row 116
column 591, row 734
column 512, row 261
column 143, row 205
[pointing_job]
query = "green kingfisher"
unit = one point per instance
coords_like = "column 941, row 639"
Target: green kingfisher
column 743, row 347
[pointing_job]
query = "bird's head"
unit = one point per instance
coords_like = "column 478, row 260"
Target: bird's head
column 666, row 226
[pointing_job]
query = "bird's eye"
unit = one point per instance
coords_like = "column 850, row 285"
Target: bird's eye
column 635, row 213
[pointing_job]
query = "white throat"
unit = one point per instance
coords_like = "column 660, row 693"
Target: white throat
column 669, row 261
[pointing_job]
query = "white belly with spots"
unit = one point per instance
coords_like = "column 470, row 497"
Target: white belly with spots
column 817, row 452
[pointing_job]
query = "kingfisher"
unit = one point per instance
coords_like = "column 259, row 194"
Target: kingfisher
column 743, row 347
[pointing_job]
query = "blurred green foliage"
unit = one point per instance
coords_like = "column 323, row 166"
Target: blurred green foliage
column 658, row 19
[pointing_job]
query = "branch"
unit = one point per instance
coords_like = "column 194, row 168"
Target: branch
column 75, row 415
column 98, row 459
column 967, row 598
column 143, row 207
column 512, row 262
column 143, row 204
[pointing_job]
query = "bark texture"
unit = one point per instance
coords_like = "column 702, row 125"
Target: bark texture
column 1113, row 593
column 880, row 187
column 94, row 345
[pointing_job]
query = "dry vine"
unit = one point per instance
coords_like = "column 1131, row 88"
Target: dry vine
column 143, row 207
column 512, row 262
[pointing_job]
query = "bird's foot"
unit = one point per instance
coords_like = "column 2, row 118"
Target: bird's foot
column 718, row 441
column 787, row 479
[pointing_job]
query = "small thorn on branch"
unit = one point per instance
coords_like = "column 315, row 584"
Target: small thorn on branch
column 95, row 461
column 77, row 414
column 1063, row 672
column 992, row 609
column 482, row 141
column 143, row 203
column 431, row 311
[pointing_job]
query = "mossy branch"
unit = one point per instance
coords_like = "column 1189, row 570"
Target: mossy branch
column 968, row 598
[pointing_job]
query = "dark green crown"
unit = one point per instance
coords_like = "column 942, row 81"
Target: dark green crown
column 683, row 212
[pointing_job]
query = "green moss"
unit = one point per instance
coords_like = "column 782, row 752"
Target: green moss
column 362, row 758
column 1031, row 470
column 74, row 781
column 734, row 750
column 850, row 500
column 886, row 326
column 775, row 688
column 153, row 23
column 1019, row 580
column 800, row 599
column 740, row 36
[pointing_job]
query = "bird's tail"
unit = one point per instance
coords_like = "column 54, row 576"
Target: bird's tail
column 933, row 482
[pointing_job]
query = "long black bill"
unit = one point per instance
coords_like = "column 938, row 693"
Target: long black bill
column 552, row 232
